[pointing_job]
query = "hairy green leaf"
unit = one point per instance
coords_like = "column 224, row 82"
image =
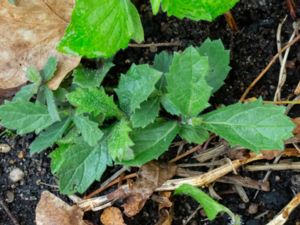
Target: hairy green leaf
column 49, row 136
column 193, row 134
column 51, row 104
column 197, row 9
column 218, row 59
column 49, row 69
column 119, row 142
column 99, row 28
column 85, row 77
column 146, row 114
column 93, row 100
column 187, row 88
column 211, row 207
column 89, row 129
column 26, row 92
column 79, row 165
column 136, row 86
column 254, row 125
column 151, row 141
column 33, row 75
column 25, row 117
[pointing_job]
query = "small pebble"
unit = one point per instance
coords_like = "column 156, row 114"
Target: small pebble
column 10, row 196
column 277, row 178
column 4, row 148
column 21, row 154
column 253, row 208
column 16, row 175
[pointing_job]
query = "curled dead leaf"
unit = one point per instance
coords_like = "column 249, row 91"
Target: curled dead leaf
column 52, row 210
column 30, row 31
column 112, row 216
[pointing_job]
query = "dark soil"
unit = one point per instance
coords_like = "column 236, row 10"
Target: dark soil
column 251, row 47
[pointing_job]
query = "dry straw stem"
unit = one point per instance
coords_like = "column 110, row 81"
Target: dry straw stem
column 274, row 167
column 284, row 214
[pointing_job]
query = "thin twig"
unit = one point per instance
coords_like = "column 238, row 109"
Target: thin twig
column 266, row 69
column 191, row 151
column 13, row 219
column 274, row 167
column 192, row 215
column 151, row 45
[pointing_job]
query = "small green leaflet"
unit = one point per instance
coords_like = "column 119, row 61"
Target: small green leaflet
column 26, row 93
column 25, row 117
column 218, row 59
column 33, row 75
column 146, row 114
column 162, row 62
column 51, row 104
column 49, row 69
column 155, row 6
column 79, row 165
column 100, row 28
column 211, row 207
column 151, row 141
column 195, row 9
column 93, row 100
column 119, row 142
column 193, row 134
column 49, row 136
column 136, row 86
column 187, row 88
column 89, row 129
column 254, row 125
column 85, row 77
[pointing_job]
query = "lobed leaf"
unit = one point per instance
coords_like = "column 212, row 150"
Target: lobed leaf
column 254, row 125
column 136, row 86
column 99, row 28
column 93, row 100
column 152, row 141
column 188, row 91
column 25, row 117
column 218, row 59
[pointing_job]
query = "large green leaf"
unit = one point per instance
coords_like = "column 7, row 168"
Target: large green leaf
column 218, row 59
column 79, row 165
column 49, row 136
column 136, row 86
column 85, row 77
column 99, row 28
column 151, row 141
column 146, row 114
column 119, row 142
column 211, row 207
column 193, row 134
column 187, row 88
column 195, row 9
column 93, row 100
column 254, row 125
column 25, row 117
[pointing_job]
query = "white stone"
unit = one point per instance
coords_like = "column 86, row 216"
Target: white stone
column 16, row 175
column 4, row 148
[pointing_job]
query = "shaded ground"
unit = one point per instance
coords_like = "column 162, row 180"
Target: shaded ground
column 251, row 47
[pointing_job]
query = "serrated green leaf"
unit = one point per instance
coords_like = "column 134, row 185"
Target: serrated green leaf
column 33, row 75
column 49, row 136
column 89, row 129
column 162, row 63
column 70, row 137
column 254, row 125
column 49, row 69
column 51, row 104
column 79, row 165
column 211, row 207
column 146, row 114
column 155, row 6
column 193, row 134
column 197, row 9
column 151, row 141
column 99, row 28
column 85, row 77
column 119, row 142
column 218, row 59
column 25, row 117
column 187, row 88
column 26, row 92
column 93, row 100
column 57, row 158
column 136, row 86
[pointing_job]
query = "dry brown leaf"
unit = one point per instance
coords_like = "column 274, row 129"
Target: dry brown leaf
column 51, row 210
column 112, row 216
column 165, row 210
column 30, row 31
